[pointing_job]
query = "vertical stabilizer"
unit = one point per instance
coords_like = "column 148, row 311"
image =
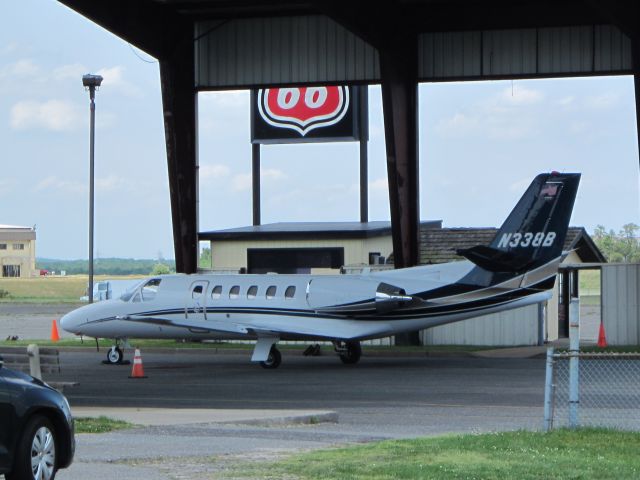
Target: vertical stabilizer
column 535, row 231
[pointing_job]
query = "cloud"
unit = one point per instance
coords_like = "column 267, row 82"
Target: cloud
column 521, row 95
column 72, row 71
column 207, row 173
column 21, row 68
column 603, row 101
column 111, row 183
column 9, row 48
column 228, row 99
column 54, row 183
column 54, row 115
column 7, row 185
column 243, row 181
column 114, row 80
column 506, row 115
column 379, row 185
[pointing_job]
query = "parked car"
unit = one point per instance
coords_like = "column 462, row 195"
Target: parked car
column 36, row 428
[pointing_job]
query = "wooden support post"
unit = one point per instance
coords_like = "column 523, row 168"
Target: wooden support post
column 179, row 100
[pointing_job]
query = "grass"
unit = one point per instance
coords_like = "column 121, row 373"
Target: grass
column 100, row 425
column 66, row 289
column 561, row 454
column 589, row 283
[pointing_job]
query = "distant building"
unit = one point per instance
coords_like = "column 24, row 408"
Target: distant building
column 17, row 251
column 302, row 247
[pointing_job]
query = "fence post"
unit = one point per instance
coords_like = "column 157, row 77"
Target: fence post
column 548, row 392
column 574, row 361
column 33, row 351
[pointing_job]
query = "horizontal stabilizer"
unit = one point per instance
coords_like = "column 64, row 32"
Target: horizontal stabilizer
column 495, row 260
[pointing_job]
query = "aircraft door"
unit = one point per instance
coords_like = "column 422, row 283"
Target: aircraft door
column 196, row 306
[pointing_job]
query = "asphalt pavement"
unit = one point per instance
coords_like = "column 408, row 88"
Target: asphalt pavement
column 200, row 412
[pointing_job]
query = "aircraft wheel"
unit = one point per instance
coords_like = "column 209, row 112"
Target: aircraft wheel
column 274, row 360
column 352, row 353
column 115, row 355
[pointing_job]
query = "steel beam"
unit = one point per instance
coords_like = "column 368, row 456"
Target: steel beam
column 179, row 101
column 398, row 68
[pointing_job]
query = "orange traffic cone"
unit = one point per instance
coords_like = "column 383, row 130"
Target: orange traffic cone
column 54, row 331
column 602, row 337
column 137, row 371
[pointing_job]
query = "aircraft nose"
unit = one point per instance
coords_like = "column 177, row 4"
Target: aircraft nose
column 70, row 322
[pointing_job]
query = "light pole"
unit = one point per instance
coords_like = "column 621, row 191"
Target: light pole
column 91, row 83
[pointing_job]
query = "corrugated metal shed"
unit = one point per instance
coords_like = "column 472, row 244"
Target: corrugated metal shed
column 621, row 303
column 284, row 50
column 314, row 48
column 533, row 52
column 510, row 328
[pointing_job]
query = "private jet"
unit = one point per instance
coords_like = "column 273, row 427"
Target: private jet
column 516, row 269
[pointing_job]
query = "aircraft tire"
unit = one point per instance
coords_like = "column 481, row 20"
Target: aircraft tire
column 274, row 360
column 115, row 355
column 352, row 354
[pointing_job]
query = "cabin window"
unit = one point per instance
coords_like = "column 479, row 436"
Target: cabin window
column 196, row 293
column 252, row 292
column 150, row 289
column 234, row 292
column 290, row 292
column 216, row 292
column 271, row 291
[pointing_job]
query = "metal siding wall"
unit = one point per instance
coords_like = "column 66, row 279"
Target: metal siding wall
column 509, row 52
column 543, row 52
column 513, row 327
column 281, row 50
column 620, row 303
column 448, row 55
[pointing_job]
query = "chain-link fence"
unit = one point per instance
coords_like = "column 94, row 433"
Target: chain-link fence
column 606, row 392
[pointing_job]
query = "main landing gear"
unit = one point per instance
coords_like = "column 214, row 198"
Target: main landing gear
column 273, row 360
column 349, row 352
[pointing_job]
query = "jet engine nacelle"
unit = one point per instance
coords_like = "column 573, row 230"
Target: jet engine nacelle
column 353, row 296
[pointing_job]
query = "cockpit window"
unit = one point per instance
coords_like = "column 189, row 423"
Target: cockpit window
column 126, row 296
column 136, row 297
column 150, row 289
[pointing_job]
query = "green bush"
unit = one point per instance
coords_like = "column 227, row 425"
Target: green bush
column 4, row 293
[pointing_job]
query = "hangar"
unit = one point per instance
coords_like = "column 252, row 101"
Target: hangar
column 217, row 44
column 205, row 45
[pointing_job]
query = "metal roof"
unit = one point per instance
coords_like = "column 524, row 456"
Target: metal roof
column 308, row 231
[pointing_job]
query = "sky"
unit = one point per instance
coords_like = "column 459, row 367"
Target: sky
column 481, row 143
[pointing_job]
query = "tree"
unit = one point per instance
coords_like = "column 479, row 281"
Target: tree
column 205, row 258
column 160, row 269
column 621, row 247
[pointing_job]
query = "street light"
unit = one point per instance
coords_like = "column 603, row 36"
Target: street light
column 91, row 83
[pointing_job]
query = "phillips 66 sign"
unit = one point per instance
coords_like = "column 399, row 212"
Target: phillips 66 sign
column 308, row 114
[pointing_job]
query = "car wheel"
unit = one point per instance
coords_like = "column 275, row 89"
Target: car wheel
column 36, row 452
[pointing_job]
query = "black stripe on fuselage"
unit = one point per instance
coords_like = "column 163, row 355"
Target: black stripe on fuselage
column 400, row 314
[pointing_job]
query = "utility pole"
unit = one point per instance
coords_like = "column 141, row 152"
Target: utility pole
column 91, row 83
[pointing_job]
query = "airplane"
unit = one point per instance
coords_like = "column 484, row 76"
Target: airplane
column 516, row 269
